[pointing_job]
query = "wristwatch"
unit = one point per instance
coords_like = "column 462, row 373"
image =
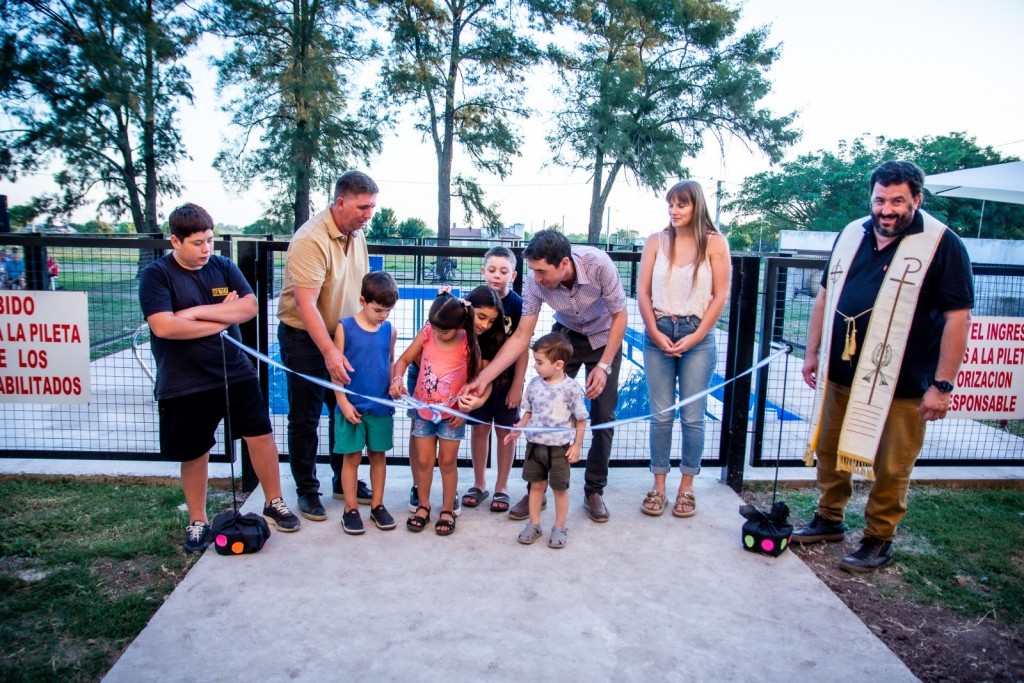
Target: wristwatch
column 607, row 368
column 942, row 385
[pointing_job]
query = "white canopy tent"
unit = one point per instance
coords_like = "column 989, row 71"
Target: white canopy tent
column 995, row 183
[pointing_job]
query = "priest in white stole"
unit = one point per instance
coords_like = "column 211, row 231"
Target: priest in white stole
column 886, row 337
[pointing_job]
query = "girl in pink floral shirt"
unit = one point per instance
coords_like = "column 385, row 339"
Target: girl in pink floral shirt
column 448, row 356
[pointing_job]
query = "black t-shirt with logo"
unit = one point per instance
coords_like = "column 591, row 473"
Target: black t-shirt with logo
column 187, row 366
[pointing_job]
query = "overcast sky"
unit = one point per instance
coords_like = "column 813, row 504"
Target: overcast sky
column 899, row 68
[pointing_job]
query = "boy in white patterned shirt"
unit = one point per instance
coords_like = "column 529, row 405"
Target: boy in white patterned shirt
column 551, row 400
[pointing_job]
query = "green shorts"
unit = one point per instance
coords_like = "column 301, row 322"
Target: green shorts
column 374, row 433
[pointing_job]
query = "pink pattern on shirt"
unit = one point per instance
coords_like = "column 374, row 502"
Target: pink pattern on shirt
column 443, row 373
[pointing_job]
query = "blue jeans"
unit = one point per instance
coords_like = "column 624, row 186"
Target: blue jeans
column 305, row 403
column 691, row 373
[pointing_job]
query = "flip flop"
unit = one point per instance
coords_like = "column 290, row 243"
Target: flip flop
column 474, row 497
column 501, row 502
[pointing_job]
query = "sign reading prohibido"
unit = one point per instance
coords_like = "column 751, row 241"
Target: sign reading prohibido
column 44, row 347
column 990, row 384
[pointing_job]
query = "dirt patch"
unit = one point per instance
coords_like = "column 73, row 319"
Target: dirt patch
column 935, row 642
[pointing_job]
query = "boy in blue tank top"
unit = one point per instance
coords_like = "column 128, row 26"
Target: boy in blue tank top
column 368, row 341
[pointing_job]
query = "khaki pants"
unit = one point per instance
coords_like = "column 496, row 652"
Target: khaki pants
column 902, row 438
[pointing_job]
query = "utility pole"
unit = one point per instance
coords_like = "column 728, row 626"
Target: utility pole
column 718, row 205
column 608, row 230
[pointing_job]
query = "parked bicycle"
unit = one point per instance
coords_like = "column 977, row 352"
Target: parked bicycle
column 445, row 270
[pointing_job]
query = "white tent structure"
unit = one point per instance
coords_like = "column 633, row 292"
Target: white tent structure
column 995, row 183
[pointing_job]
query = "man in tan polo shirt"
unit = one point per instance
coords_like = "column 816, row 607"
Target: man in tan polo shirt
column 327, row 259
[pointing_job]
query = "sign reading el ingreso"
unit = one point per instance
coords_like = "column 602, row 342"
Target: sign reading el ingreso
column 44, row 347
column 990, row 383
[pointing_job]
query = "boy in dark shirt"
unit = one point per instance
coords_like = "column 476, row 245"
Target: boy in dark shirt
column 189, row 297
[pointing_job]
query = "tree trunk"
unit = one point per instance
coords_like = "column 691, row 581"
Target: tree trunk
column 599, row 196
column 303, row 143
column 128, row 171
column 149, row 127
column 303, row 160
column 596, row 201
column 447, row 146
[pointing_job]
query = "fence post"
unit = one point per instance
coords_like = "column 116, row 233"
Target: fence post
column 739, row 359
column 246, row 259
column 36, row 275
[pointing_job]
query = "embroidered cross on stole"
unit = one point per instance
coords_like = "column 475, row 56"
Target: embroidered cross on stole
column 878, row 364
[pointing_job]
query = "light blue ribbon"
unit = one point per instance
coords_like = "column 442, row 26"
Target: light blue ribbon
column 437, row 408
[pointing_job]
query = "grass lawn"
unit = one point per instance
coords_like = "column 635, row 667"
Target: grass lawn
column 962, row 548
column 83, row 567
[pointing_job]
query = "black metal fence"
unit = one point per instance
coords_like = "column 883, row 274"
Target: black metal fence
column 761, row 414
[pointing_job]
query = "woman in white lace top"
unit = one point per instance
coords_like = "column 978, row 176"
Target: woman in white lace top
column 682, row 291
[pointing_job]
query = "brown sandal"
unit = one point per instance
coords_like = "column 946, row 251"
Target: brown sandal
column 654, row 504
column 686, row 505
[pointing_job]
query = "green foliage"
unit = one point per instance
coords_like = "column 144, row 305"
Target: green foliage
column 825, row 190
column 383, row 225
column 96, row 84
column 461, row 65
column 758, row 235
column 266, row 226
column 413, row 228
column 289, row 64
column 96, row 226
column 21, row 215
column 648, row 80
column 624, row 236
column 474, row 205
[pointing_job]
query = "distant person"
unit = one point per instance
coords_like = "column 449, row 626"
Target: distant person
column 188, row 298
column 367, row 340
column 53, row 270
column 447, row 354
column 551, row 400
column 3, row 269
column 323, row 273
column 681, row 292
column 886, row 337
column 502, row 407
column 15, row 270
column 582, row 285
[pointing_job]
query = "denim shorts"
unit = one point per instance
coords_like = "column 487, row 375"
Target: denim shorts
column 442, row 430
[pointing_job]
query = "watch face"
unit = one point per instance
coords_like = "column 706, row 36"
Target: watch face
column 943, row 386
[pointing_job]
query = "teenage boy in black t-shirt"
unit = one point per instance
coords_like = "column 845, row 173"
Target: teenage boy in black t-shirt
column 189, row 297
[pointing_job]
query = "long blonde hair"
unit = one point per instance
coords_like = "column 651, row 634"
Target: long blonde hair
column 690, row 191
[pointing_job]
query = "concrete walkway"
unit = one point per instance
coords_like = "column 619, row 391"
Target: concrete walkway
column 637, row 598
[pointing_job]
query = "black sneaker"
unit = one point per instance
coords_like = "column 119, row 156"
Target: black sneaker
column 414, row 499
column 310, row 507
column 382, row 518
column 277, row 513
column 820, row 529
column 197, row 537
column 364, row 496
column 352, row 523
column 873, row 553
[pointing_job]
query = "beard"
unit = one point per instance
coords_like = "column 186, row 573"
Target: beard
column 901, row 223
